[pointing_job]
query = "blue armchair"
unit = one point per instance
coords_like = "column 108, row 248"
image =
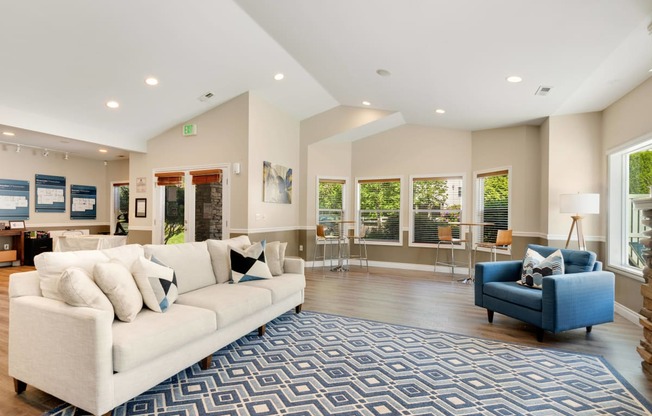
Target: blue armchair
column 582, row 297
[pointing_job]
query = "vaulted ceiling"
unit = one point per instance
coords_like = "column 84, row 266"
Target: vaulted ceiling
column 63, row 61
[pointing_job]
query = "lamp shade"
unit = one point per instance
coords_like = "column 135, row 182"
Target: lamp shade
column 579, row 203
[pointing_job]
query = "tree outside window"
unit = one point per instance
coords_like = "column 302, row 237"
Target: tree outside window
column 379, row 208
column 435, row 201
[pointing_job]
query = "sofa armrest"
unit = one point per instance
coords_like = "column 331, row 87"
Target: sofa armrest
column 294, row 265
column 499, row 271
column 63, row 350
column 578, row 300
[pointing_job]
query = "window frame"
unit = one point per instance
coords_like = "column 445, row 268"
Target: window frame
column 478, row 193
column 388, row 178
column 618, row 204
column 339, row 179
column 412, row 179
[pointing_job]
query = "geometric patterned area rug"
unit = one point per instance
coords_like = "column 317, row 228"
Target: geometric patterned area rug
column 317, row 364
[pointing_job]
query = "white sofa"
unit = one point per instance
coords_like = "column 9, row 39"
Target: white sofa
column 86, row 357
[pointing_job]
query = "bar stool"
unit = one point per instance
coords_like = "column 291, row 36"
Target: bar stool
column 362, row 245
column 503, row 240
column 320, row 236
column 445, row 234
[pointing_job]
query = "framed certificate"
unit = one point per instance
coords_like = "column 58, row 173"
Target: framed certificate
column 17, row 225
column 141, row 207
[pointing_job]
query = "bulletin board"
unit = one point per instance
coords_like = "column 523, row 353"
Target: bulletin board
column 83, row 202
column 14, row 199
column 50, row 193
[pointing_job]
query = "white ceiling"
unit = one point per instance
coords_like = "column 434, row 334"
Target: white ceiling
column 61, row 61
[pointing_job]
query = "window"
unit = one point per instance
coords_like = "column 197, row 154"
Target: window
column 379, row 209
column 630, row 177
column 330, row 205
column 492, row 203
column 435, row 200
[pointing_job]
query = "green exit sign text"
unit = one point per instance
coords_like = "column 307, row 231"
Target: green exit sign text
column 189, row 129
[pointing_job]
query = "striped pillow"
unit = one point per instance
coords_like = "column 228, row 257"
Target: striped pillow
column 535, row 267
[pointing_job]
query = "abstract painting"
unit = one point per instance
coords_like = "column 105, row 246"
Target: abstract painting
column 277, row 183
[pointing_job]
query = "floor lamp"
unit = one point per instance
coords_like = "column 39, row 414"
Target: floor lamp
column 578, row 204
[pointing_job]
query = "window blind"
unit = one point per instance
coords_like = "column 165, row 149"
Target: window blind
column 493, row 203
column 169, row 178
column 206, row 176
column 379, row 208
column 435, row 201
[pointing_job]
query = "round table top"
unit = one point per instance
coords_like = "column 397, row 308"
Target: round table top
column 470, row 223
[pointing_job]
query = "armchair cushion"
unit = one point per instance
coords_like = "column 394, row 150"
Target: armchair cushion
column 514, row 293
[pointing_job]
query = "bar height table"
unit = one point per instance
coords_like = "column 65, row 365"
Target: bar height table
column 469, row 243
column 340, row 239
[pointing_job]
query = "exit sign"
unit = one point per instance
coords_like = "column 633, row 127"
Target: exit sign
column 189, row 129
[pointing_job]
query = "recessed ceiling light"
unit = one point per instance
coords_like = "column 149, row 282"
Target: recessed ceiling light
column 8, row 133
column 151, row 81
column 514, row 79
column 103, row 151
column 112, row 104
column 366, row 103
column 279, row 76
column 440, row 111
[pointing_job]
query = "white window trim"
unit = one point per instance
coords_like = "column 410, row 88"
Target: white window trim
column 344, row 198
column 411, row 200
column 476, row 206
column 401, row 179
column 617, row 175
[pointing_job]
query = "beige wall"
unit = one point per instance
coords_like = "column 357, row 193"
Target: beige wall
column 77, row 171
column 222, row 138
column 273, row 137
column 518, row 148
column 544, row 144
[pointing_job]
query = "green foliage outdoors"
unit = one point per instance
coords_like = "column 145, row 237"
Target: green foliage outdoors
column 640, row 172
column 174, row 216
column 330, row 195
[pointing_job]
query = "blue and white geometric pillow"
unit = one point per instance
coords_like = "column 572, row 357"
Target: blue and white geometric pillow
column 249, row 264
column 535, row 267
column 157, row 283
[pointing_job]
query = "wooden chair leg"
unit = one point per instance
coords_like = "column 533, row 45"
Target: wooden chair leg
column 490, row 316
column 298, row 308
column 205, row 363
column 261, row 330
column 19, row 386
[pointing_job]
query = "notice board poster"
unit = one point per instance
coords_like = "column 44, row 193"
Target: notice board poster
column 50, row 193
column 83, row 202
column 14, row 199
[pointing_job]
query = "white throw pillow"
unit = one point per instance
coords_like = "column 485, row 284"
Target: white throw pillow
column 275, row 257
column 77, row 288
column 157, row 283
column 219, row 252
column 249, row 264
column 126, row 254
column 191, row 263
column 51, row 265
column 119, row 286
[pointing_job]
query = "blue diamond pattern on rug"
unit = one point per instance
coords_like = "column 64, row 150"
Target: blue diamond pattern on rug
column 316, row 364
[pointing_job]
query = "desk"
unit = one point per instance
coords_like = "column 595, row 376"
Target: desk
column 18, row 242
column 89, row 242
column 469, row 243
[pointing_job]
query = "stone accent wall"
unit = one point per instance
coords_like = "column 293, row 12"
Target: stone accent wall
column 645, row 347
column 208, row 211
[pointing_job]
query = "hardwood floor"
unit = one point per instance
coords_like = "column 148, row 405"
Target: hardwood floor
column 419, row 299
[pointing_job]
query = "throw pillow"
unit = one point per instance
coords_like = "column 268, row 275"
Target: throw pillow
column 157, row 283
column 535, row 267
column 275, row 257
column 119, row 286
column 77, row 288
column 249, row 264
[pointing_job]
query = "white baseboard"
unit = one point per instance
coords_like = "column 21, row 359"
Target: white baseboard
column 628, row 314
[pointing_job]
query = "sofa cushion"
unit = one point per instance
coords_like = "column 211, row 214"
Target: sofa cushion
column 281, row 286
column 511, row 292
column 535, row 267
column 119, row 286
column 126, row 254
column 249, row 264
column 275, row 257
column 77, row 288
column 219, row 252
column 153, row 334
column 190, row 261
column 51, row 265
column 157, row 283
column 230, row 303
column 575, row 261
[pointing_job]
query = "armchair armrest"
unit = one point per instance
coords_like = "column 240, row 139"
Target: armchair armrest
column 577, row 300
column 294, row 265
column 500, row 271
